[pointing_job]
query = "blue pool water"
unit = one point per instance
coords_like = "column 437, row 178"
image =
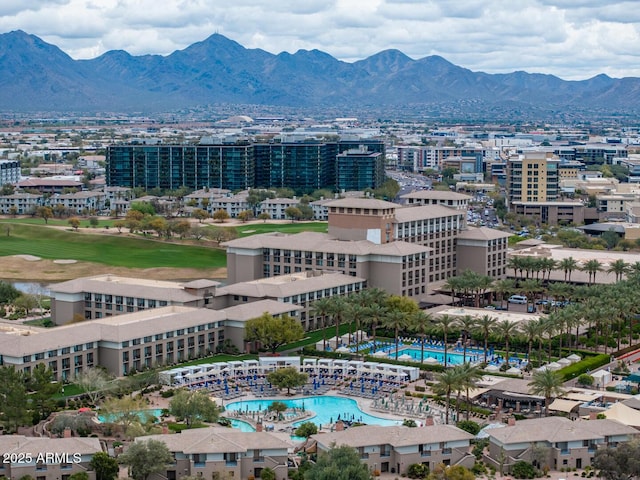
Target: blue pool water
column 241, row 425
column 452, row 357
column 144, row 415
column 326, row 409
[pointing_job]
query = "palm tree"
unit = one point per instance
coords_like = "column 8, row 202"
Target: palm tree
column 506, row 331
column 444, row 324
column 548, row 265
column 504, row 288
column 546, row 383
column 448, row 382
column 469, row 376
column 619, row 267
column 376, row 313
column 355, row 312
column 420, row 323
column 321, row 308
column 467, row 325
column 568, row 265
column 453, row 285
column 396, row 320
column 485, row 326
column 530, row 288
column 592, row 267
column 532, row 330
column 336, row 310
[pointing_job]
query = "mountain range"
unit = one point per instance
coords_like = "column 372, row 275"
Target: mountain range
column 36, row 76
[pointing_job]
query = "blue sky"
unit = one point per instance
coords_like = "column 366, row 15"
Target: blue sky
column 573, row 39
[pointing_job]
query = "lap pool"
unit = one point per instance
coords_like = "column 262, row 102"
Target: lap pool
column 453, row 357
column 327, row 409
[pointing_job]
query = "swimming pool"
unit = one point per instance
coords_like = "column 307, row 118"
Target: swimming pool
column 327, row 410
column 453, row 358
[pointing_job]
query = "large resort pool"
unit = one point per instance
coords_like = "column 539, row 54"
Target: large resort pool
column 327, row 410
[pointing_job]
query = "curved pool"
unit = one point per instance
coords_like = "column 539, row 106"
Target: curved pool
column 327, row 409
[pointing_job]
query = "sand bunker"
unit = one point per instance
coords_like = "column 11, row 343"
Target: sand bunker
column 28, row 258
column 65, row 261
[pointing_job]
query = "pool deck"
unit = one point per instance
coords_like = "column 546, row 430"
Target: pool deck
column 364, row 404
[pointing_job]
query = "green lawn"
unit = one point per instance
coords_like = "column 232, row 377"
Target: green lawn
column 84, row 222
column 296, row 227
column 113, row 250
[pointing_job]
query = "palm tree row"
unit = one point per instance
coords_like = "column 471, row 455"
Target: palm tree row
column 457, row 380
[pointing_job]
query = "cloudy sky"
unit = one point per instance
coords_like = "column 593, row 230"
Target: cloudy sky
column 573, row 39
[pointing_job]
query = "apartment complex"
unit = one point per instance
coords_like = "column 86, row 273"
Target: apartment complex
column 236, row 164
column 393, row 449
column 359, row 169
column 9, row 172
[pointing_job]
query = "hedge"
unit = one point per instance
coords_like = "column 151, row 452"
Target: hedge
column 586, row 365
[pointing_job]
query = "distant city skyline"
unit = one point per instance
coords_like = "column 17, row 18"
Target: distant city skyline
column 572, row 39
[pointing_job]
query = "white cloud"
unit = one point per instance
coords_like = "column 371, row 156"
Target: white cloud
column 569, row 38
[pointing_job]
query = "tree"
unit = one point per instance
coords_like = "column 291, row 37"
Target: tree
column 267, row 473
column 506, row 331
column 200, row 214
column 220, row 216
column 293, row 213
column 146, row 458
column 123, row 411
column 95, row 383
column 264, row 216
column 322, row 308
column 106, row 468
column 546, row 383
column 8, row 293
column 448, row 383
column 522, row 469
column 339, row 463
column 272, row 332
column 45, row 213
column 592, row 267
column 444, row 324
column 74, row 222
column 288, row 377
column 79, row 476
column 417, row 470
column 306, row 429
column 42, row 387
column 27, row 302
column 618, row 267
column 618, row 463
column 193, row 406
column 568, row 265
column 245, row 215
column 485, row 326
column 13, row 397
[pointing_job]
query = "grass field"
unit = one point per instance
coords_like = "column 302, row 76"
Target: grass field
column 55, row 222
column 296, row 227
column 50, row 243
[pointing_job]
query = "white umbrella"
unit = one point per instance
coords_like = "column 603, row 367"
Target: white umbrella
column 405, row 356
column 343, row 350
column 379, row 353
column 492, row 368
column 514, row 371
column 430, row 360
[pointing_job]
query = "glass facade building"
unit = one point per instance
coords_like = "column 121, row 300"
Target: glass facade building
column 302, row 166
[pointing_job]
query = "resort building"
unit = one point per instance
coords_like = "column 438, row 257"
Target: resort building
column 399, row 249
column 393, row 449
column 568, row 444
column 217, row 451
column 134, row 341
column 102, row 296
column 301, row 289
column 52, row 458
